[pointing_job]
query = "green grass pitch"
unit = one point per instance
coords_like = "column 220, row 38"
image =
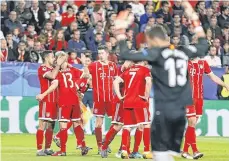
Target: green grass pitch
column 21, row 147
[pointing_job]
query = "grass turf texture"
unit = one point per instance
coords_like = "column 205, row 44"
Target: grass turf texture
column 21, row 147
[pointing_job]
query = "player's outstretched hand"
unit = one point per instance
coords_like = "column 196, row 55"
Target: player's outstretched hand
column 144, row 97
column 60, row 60
column 40, row 97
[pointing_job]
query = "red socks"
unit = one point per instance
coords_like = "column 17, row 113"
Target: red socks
column 69, row 125
column 63, row 139
column 40, row 137
column 48, row 138
column 146, row 139
column 109, row 137
column 98, row 135
column 79, row 135
column 138, row 139
column 190, row 139
column 125, row 139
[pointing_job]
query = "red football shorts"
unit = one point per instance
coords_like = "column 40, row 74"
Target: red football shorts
column 117, row 117
column 47, row 111
column 134, row 116
column 70, row 112
column 102, row 108
column 196, row 109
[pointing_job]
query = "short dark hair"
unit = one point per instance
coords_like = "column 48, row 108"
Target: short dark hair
column 157, row 31
column 211, row 46
column 102, row 47
column 45, row 54
column 69, row 7
column 223, row 9
column 164, row 3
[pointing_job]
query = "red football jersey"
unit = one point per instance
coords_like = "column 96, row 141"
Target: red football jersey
column 67, row 89
column 82, row 85
column 102, row 80
column 45, row 83
column 196, row 72
column 134, row 80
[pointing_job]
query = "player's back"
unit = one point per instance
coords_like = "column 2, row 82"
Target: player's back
column 170, row 77
column 67, row 85
column 134, row 86
column 45, row 83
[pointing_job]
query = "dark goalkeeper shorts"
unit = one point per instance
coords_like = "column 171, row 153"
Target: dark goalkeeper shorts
column 167, row 128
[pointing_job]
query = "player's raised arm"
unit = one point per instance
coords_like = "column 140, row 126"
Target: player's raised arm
column 201, row 48
column 52, row 74
column 53, row 86
column 218, row 81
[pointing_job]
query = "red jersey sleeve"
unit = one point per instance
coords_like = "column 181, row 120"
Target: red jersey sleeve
column 207, row 69
column 147, row 73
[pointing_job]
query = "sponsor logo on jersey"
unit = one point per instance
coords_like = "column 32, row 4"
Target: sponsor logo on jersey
column 201, row 66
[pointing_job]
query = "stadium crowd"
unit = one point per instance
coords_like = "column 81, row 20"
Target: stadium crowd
column 30, row 27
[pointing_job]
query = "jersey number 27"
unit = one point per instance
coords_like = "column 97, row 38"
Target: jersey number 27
column 175, row 78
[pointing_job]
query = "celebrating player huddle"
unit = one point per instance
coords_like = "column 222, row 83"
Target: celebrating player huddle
column 124, row 91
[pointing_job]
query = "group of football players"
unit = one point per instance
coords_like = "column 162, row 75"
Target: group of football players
column 123, row 94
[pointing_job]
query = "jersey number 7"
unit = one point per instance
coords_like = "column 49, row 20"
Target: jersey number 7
column 132, row 78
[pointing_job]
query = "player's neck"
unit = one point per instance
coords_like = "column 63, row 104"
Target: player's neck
column 104, row 62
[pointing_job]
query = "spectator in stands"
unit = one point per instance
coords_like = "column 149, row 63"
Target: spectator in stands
column 215, row 7
column 55, row 24
column 160, row 21
column 58, row 42
column 12, row 23
column 200, row 9
column 24, row 15
column 225, row 3
column 140, row 38
column 75, row 43
column 108, row 8
column 149, row 13
column 90, row 35
column 151, row 22
column 224, row 17
column 48, row 32
column 212, row 59
column 209, row 36
column 130, row 37
column 165, row 12
column 16, row 35
column 30, row 42
column 90, row 6
column 20, row 53
column 50, row 8
column 216, row 31
column 31, row 31
column 225, row 57
column 38, row 16
column 69, row 31
column 138, row 9
column 70, row 3
column 217, row 44
column 110, row 21
column 83, row 23
column 130, row 45
column 177, row 8
column 176, row 40
column 4, row 14
column 37, row 50
column 113, row 44
column 5, row 55
column 93, row 46
column 10, row 42
column 177, row 23
column 98, row 15
column 190, row 32
column 225, row 34
column 207, row 17
column 73, row 59
column 68, row 17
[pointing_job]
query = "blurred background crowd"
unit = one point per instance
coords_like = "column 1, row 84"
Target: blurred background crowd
column 30, row 27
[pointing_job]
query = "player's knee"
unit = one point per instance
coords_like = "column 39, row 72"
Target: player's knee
column 99, row 122
column 118, row 127
column 140, row 127
column 42, row 125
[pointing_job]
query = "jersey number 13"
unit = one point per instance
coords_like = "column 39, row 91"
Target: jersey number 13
column 174, row 77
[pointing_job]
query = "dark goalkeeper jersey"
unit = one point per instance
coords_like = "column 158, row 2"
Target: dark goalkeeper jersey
column 169, row 70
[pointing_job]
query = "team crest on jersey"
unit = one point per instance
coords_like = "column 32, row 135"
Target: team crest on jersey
column 47, row 114
column 82, row 84
column 111, row 68
column 95, row 110
column 201, row 66
column 44, row 68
